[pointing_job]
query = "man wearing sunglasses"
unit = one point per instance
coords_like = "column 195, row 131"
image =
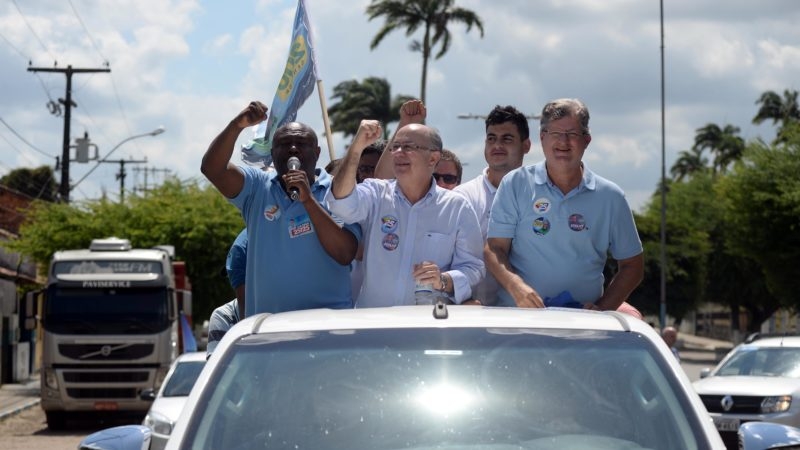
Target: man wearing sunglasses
column 414, row 231
column 552, row 225
column 448, row 170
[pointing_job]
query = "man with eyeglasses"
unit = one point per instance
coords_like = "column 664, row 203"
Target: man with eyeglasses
column 506, row 144
column 290, row 241
column 552, row 225
column 448, row 170
column 414, row 231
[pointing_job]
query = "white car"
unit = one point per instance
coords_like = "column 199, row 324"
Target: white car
column 168, row 403
column 454, row 377
column 758, row 380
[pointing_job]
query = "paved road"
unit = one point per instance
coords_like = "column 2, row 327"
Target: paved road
column 693, row 362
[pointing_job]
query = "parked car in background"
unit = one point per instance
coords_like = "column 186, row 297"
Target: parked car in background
column 759, row 380
column 455, row 377
column 168, row 402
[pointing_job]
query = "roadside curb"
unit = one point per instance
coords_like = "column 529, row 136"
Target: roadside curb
column 26, row 405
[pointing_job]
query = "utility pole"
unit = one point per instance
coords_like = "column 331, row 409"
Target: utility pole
column 64, row 187
column 121, row 175
column 153, row 170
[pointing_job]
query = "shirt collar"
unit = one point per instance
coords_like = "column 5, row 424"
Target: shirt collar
column 431, row 191
column 588, row 181
column 488, row 184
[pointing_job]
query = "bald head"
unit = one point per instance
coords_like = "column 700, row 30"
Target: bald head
column 670, row 336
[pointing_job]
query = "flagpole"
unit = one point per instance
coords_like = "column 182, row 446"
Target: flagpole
column 325, row 120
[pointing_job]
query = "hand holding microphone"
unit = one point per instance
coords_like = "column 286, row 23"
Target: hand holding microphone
column 294, row 164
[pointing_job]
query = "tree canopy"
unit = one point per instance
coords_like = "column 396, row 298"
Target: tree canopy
column 370, row 99
column 433, row 16
column 38, row 183
column 762, row 212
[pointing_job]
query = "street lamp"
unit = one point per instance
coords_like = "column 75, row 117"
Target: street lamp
column 155, row 132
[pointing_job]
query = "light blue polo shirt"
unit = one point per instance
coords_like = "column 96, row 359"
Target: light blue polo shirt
column 287, row 267
column 560, row 242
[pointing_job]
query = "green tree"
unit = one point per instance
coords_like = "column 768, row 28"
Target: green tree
column 433, row 16
column 689, row 222
column 688, row 163
column 370, row 99
column 36, row 183
column 785, row 111
column 723, row 143
column 762, row 212
column 197, row 220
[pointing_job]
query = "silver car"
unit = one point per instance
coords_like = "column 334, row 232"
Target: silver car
column 168, row 403
column 454, row 377
column 758, row 380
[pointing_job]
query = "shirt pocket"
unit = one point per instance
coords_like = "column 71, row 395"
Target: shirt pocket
column 438, row 247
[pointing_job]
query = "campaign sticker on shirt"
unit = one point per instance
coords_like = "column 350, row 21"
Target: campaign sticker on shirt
column 272, row 212
column 541, row 226
column 300, row 226
column 577, row 222
column 541, row 205
column 388, row 224
column 390, row 241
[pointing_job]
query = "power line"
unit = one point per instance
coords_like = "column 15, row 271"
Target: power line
column 23, row 139
column 105, row 62
column 91, row 39
column 28, row 59
column 15, row 48
column 25, row 155
column 25, row 19
column 119, row 103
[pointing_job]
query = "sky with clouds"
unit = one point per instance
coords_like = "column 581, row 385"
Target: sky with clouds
column 191, row 65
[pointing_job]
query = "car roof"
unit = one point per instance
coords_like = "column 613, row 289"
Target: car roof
column 456, row 316
column 774, row 341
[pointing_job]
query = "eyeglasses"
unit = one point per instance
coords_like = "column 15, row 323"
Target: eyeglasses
column 364, row 168
column 558, row 135
column 446, row 177
column 408, row 147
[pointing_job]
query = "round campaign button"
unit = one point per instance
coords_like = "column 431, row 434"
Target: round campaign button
column 541, row 226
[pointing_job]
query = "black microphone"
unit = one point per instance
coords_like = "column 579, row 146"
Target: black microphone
column 294, row 164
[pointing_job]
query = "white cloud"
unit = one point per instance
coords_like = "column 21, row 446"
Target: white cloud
column 219, row 44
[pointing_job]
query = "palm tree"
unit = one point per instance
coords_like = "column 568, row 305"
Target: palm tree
column 722, row 142
column 786, row 110
column 370, row 99
column 688, row 163
column 433, row 16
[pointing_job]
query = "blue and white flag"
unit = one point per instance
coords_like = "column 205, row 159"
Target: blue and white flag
column 296, row 85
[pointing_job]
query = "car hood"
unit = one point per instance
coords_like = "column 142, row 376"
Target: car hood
column 170, row 407
column 746, row 385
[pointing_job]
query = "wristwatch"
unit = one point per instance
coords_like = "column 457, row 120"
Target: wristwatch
column 443, row 280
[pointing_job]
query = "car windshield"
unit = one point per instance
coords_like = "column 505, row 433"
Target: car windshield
column 456, row 388
column 763, row 362
column 183, row 378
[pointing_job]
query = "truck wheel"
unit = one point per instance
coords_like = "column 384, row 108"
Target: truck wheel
column 56, row 420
